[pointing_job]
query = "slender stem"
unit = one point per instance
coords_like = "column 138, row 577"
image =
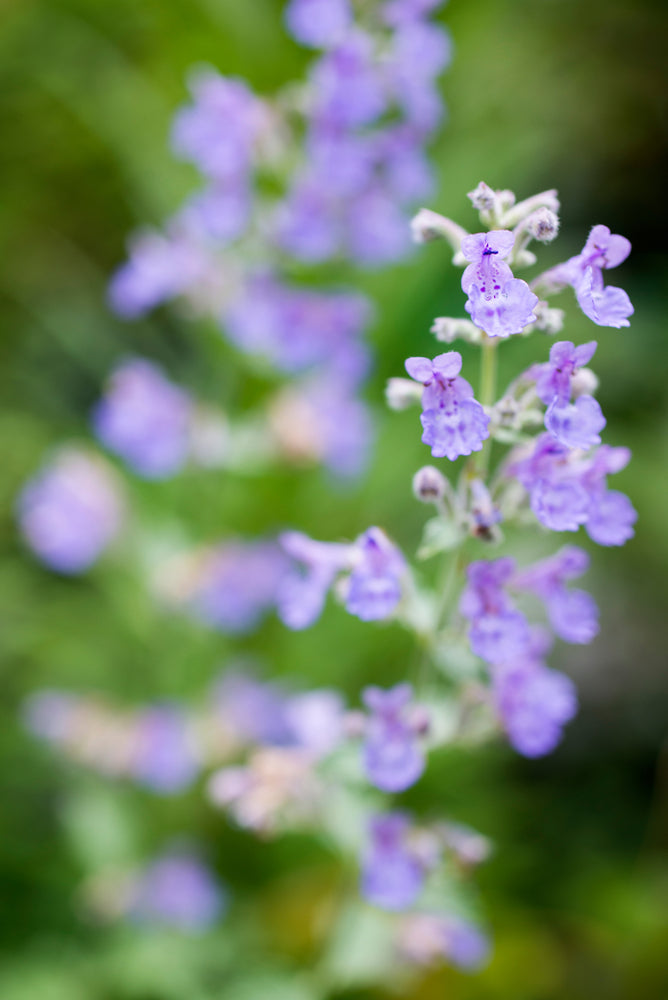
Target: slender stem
column 488, row 372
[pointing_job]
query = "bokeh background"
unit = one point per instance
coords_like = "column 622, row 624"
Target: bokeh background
column 542, row 93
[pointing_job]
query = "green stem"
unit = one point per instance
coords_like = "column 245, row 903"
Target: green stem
column 488, row 372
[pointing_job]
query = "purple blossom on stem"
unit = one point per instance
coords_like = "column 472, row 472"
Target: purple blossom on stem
column 609, row 306
column 144, row 418
column 577, row 424
column 532, row 701
column 236, row 585
column 392, row 876
column 454, row 422
column 218, row 132
column 499, row 304
column 573, row 613
column 426, row 938
column 319, row 24
column 178, row 890
column 568, row 488
column 374, row 585
column 347, row 85
column 498, row 632
column 160, row 267
column 393, row 758
column 163, row 757
column 71, row 511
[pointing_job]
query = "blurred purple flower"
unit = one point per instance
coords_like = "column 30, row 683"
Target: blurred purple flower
column 164, row 757
column 498, row 632
column 71, row 511
column 160, row 266
column 319, row 24
column 347, row 84
column 577, row 424
column 573, row 613
column 179, row 891
column 533, row 702
column 374, row 585
column 393, row 758
column 392, row 875
column 144, row 418
column 236, row 584
column 426, row 938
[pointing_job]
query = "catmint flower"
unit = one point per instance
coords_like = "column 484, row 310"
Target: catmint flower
column 235, row 584
column 71, row 511
column 377, row 233
column 568, row 488
column 371, row 592
column 254, row 711
column 573, row 613
column 419, row 52
column 398, row 12
column 163, row 758
column 321, row 419
column 485, row 514
column 346, row 84
column 218, row 132
column 542, row 225
column 302, row 594
column 392, row 874
column 144, row 418
column 393, row 758
column 577, row 424
column 532, row 701
column 454, row 422
column 161, row 266
column 177, row 890
column 606, row 306
column 319, row 24
column 428, row 938
column 498, row 303
column 315, row 720
column 429, row 485
column 498, row 632
column 374, row 585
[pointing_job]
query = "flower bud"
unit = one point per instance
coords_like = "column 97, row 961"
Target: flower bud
column 482, row 198
column 542, row 225
column 429, row 484
column 584, row 382
column 448, row 330
column 550, row 321
column 400, row 393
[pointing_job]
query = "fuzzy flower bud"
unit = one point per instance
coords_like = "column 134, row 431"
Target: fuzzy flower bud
column 429, row 484
column 482, row 198
column 542, row 225
column 400, row 393
column 447, row 330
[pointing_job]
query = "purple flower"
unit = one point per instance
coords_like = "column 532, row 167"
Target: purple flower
column 498, row 303
column 163, row 757
column 533, row 702
column 419, row 52
column 254, row 710
column 406, row 167
column 219, row 131
column 302, row 593
column 342, row 162
column 577, row 424
column 605, row 306
column 374, row 585
column 377, row 229
column 160, row 267
column 573, row 613
column 236, row 585
column 144, row 418
column 398, row 12
column 296, row 328
column 71, row 511
column 498, row 632
column 178, row 890
column 218, row 215
column 308, row 223
column 318, row 24
column 347, row 85
column 393, row 758
column 315, row 720
column 392, row 876
column 454, row 422
column 568, row 488
column 425, row 938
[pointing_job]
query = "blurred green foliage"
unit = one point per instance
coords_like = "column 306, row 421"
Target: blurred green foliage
column 542, row 93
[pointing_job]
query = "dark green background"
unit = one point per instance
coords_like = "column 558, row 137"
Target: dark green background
column 542, row 93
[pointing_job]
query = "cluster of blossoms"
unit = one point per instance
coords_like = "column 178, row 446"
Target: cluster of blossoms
column 346, row 152
column 277, row 760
